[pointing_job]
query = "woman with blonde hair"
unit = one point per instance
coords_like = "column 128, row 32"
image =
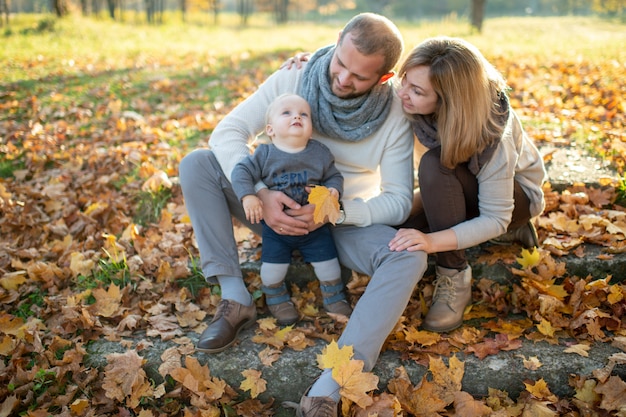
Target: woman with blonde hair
column 481, row 176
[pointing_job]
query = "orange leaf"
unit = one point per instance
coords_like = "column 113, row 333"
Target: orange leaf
column 125, row 379
column 326, row 205
column 540, row 390
column 355, row 384
column 253, row 382
column 107, row 302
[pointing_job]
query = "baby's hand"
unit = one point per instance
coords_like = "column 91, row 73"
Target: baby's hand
column 333, row 192
column 253, row 206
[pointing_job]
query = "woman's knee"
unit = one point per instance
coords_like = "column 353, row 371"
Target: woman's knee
column 430, row 168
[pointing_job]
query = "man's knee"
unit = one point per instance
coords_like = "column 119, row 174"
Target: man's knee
column 193, row 165
column 416, row 264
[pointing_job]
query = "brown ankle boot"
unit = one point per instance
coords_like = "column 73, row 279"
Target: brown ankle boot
column 334, row 297
column 526, row 235
column 279, row 303
column 453, row 292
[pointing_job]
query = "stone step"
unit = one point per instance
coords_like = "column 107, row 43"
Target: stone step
column 289, row 377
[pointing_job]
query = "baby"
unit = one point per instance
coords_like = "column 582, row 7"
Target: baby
column 291, row 163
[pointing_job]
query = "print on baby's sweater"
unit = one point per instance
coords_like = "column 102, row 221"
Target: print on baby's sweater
column 293, row 184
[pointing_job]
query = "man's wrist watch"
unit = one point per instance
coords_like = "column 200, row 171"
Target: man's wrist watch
column 342, row 215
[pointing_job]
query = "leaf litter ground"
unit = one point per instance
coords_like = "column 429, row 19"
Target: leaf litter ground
column 96, row 243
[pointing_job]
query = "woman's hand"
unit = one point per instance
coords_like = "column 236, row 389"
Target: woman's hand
column 413, row 240
column 296, row 60
column 410, row 240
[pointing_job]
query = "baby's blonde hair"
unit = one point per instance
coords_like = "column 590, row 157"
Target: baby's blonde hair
column 272, row 106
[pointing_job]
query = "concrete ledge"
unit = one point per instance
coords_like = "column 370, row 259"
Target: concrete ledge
column 291, row 375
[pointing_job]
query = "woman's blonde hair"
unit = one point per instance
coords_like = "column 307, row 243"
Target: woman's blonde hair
column 468, row 114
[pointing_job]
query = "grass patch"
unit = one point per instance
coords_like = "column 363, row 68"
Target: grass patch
column 150, row 204
column 30, row 305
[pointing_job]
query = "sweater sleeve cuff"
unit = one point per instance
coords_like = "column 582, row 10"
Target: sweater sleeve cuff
column 357, row 213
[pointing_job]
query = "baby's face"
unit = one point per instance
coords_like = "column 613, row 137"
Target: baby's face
column 290, row 123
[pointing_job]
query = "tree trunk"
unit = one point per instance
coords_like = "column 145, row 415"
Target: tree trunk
column 60, row 7
column 111, row 7
column 4, row 10
column 244, row 8
column 478, row 13
column 149, row 11
column 215, row 8
column 281, row 11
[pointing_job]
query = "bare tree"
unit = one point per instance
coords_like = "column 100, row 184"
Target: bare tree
column 183, row 9
column 478, row 13
column 215, row 6
column 154, row 11
column 60, row 7
column 4, row 10
column 281, row 8
column 112, row 5
column 244, row 8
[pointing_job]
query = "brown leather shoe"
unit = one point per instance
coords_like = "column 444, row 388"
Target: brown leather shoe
column 453, row 292
column 230, row 318
column 317, row 407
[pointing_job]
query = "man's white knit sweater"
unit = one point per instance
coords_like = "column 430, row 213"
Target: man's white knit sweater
column 377, row 171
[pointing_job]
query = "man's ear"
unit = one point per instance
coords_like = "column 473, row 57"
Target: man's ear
column 386, row 77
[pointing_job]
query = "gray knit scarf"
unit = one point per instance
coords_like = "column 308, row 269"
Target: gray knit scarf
column 350, row 119
column 425, row 129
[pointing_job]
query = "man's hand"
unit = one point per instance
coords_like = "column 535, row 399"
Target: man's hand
column 283, row 215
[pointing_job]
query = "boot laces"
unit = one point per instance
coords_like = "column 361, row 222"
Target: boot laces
column 321, row 408
column 223, row 309
column 444, row 290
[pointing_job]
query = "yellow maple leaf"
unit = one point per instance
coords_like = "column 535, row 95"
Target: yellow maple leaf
column 545, row 328
column 12, row 280
column 7, row 344
column 528, row 258
column 533, row 363
column 421, row 400
column 354, row 383
column 107, row 302
column 421, row 337
column 579, row 348
column 332, row 356
column 79, row 406
column 326, row 205
column 283, row 333
column 540, row 390
column 616, row 294
column 79, row 265
column 448, row 378
column 253, row 382
column 587, row 392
